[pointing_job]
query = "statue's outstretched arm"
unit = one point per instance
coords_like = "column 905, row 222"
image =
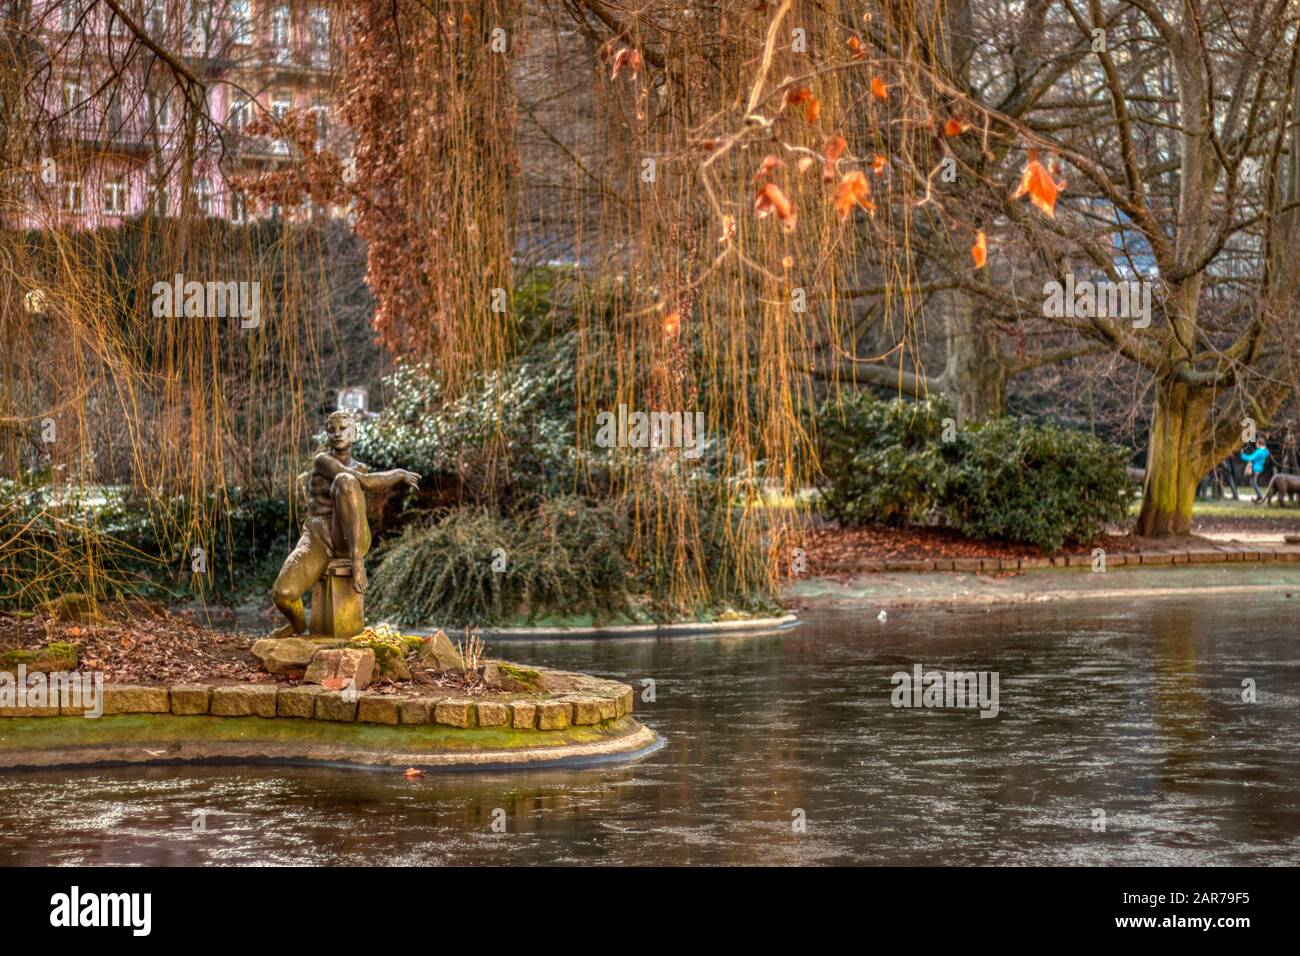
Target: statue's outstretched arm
column 330, row 467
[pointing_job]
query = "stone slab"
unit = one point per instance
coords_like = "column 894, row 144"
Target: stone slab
column 245, row 700
column 130, row 699
column 377, row 709
column 188, row 700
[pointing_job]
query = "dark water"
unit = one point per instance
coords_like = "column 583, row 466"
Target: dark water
column 1133, row 709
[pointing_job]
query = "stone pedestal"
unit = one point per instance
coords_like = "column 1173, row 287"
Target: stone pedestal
column 337, row 610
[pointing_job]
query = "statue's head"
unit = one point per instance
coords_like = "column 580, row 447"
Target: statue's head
column 340, row 430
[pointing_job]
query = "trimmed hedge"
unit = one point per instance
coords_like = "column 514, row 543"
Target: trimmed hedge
column 884, row 459
column 888, row 463
column 1037, row 484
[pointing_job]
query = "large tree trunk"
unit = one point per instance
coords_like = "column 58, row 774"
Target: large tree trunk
column 975, row 376
column 1178, row 456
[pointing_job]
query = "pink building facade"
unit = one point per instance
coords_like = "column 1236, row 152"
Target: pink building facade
column 114, row 142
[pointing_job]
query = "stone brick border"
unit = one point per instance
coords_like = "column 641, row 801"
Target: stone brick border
column 598, row 702
column 1205, row 554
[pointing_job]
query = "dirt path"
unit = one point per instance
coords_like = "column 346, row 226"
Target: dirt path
column 884, row 590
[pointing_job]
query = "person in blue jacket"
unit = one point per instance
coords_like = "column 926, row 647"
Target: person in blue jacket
column 1255, row 465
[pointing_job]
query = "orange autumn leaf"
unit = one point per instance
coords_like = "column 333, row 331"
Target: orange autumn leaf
column 771, row 199
column 878, row 88
column 629, row 58
column 769, row 163
column 812, row 107
column 955, row 127
column 853, row 191
column 672, row 322
column 1037, row 183
column 980, row 251
column 855, row 48
column 878, row 164
column 832, row 151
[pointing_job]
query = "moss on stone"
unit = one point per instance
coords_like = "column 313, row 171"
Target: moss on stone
column 74, row 607
column 524, row 678
column 390, row 656
column 54, row 733
column 59, row 656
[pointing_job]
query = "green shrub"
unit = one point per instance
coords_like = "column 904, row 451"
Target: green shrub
column 510, row 436
column 1005, row 480
column 562, row 558
column 1036, row 484
column 883, row 459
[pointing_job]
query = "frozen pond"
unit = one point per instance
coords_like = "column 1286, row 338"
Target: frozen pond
column 1133, row 709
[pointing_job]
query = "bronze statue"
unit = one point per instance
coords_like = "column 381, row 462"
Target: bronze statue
column 336, row 534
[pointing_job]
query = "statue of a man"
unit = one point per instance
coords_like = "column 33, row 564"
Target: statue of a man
column 336, row 525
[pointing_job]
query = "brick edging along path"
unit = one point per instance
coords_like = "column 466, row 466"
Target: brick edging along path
column 601, row 701
column 1204, row 554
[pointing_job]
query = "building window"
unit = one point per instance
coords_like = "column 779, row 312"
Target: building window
column 160, row 110
column 114, row 115
column 238, row 208
column 280, row 32
column 241, row 113
column 200, row 19
column 320, row 26
column 203, row 196
column 322, row 115
column 319, row 35
column 241, row 22
column 281, row 103
column 72, row 196
column 74, row 98
column 115, row 196
column 116, row 25
column 67, row 15
column 155, row 20
column 159, row 204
